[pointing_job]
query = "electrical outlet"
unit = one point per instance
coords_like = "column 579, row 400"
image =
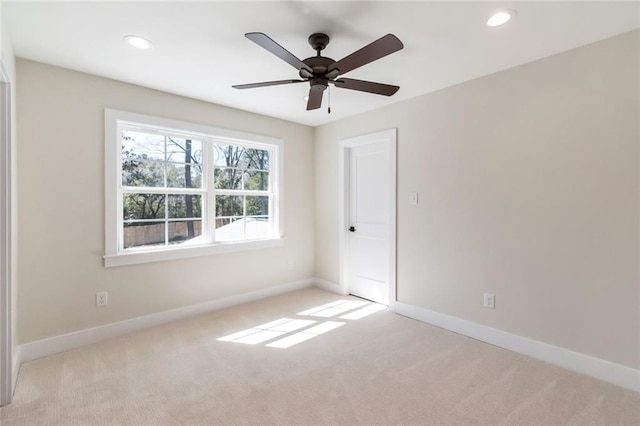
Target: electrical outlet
column 101, row 299
column 490, row 300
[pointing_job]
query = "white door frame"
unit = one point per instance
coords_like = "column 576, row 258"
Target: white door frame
column 345, row 145
column 6, row 353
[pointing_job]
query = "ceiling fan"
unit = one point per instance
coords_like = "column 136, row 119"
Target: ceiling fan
column 319, row 71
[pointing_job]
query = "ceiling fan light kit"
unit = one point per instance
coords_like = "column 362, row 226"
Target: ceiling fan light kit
column 320, row 71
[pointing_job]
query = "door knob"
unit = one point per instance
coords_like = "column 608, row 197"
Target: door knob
column 352, row 229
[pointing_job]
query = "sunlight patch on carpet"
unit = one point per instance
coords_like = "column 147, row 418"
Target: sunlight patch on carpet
column 286, row 332
column 333, row 309
column 364, row 312
column 268, row 331
column 305, row 335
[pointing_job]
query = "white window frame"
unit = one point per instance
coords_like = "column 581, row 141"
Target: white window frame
column 116, row 255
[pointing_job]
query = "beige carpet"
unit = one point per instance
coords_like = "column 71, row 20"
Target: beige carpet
column 378, row 369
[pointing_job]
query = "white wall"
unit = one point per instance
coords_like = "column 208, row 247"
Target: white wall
column 61, row 195
column 529, row 189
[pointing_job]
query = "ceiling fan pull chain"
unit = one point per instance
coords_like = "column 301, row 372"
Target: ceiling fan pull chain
column 329, row 109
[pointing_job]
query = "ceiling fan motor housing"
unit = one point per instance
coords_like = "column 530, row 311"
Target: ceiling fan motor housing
column 319, row 65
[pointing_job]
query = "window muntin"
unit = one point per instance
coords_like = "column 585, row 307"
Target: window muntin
column 188, row 189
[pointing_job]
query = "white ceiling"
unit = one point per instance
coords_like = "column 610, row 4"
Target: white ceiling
column 200, row 51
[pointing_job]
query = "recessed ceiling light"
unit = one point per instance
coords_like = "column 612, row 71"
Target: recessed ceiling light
column 138, row 42
column 501, row 17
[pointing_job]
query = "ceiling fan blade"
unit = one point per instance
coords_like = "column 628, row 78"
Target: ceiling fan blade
column 378, row 49
column 366, row 86
column 266, row 83
column 267, row 43
column 315, row 98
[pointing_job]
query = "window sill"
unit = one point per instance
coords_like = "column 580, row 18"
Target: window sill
column 136, row 257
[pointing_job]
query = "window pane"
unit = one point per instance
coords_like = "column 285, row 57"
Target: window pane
column 184, row 176
column 256, row 181
column 229, row 205
column 257, row 206
column 136, row 172
column 180, row 150
column 230, row 156
column 255, row 159
column 257, row 227
column 180, row 232
column 185, row 206
column 138, row 234
column 142, row 145
column 229, row 229
column 227, row 178
column 143, row 206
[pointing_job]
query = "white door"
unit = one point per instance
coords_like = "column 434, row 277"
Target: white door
column 371, row 214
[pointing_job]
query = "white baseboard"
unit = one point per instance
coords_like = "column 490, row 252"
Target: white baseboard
column 53, row 345
column 16, row 358
column 329, row 286
column 617, row 374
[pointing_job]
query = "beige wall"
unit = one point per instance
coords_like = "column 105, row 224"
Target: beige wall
column 61, row 195
column 529, row 189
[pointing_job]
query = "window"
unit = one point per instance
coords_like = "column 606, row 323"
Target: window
column 177, row 189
